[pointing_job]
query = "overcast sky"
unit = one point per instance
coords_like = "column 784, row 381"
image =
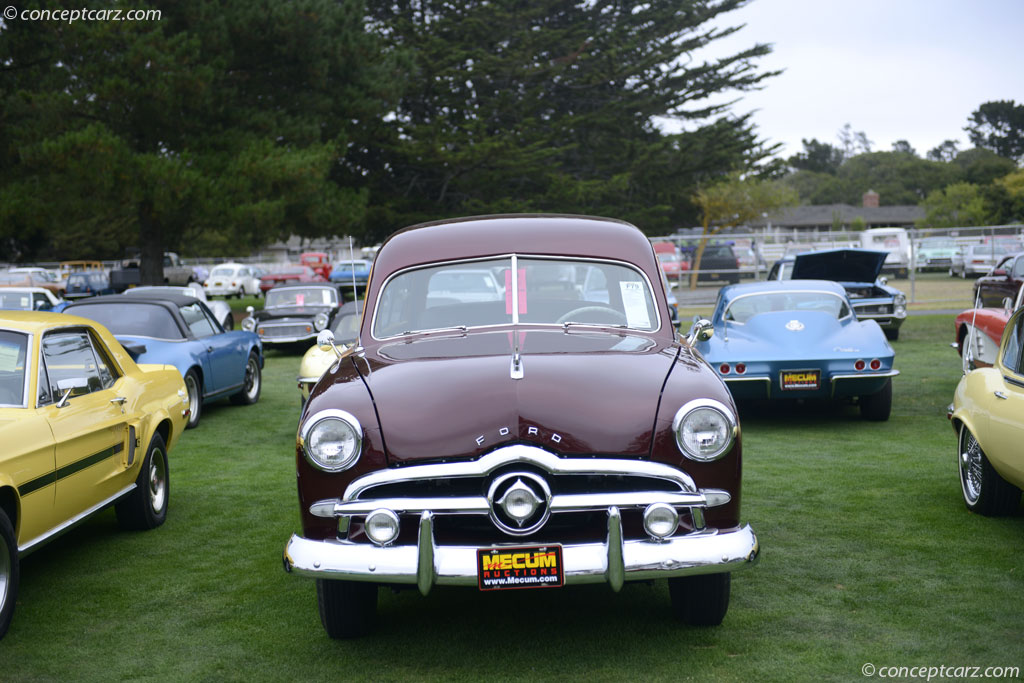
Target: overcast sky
column 895, row 69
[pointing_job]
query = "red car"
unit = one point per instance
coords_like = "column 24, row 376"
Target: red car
column 289, row 276
column 987, row 321
column 520, row 413
column 672, row 263
column 317, row 260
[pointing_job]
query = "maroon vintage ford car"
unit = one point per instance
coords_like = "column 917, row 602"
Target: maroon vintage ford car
column 518, row 413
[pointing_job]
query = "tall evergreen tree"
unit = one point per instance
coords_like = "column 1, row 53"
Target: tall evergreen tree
column 554, row 105
column 219, row 124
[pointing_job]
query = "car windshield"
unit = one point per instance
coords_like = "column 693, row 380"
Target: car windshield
column 223, row 271
column 543, row 292
column 302, row 296
column 13, row 352
column 743, row 308
column 352, row 265
column 14, row 300
column 132, row 319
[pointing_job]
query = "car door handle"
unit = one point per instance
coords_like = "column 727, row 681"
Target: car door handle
column 119, row 400
column 1001, row 395
column 209, row 349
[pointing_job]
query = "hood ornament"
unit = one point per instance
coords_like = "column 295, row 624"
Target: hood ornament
column 794, row 325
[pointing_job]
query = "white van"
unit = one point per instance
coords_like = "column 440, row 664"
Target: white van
column 896, row 241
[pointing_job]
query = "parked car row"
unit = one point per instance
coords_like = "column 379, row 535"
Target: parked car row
column 509, row 406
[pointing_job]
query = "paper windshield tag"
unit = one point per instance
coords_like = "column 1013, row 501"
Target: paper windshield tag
column 634, row 301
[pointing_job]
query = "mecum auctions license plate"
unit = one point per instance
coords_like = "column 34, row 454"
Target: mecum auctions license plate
column 521, row 567
column 795, row 380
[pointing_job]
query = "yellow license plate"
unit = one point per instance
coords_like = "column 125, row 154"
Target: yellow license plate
column 520, row 567
column 801, row 380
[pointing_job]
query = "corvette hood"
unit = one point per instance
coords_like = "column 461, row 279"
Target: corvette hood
column 839, row 265
column 580, row 393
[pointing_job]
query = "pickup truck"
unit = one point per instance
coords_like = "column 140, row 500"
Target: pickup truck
column 175, row 273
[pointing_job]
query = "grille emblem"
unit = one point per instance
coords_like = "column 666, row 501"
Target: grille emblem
column 520, row 502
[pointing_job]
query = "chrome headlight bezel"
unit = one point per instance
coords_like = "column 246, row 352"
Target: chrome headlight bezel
column 321, row 321
column 695, row 408
column 322, row 419
column 248, row 324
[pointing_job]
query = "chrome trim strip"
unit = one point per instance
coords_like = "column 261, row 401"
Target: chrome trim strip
column 746, row 379
column 706, row 552
column 80, row 517
column 520, row 454
column 718, row 406
column 478, row 505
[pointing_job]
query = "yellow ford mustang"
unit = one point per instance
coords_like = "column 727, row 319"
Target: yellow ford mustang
column 988, row 415
column 82, row 427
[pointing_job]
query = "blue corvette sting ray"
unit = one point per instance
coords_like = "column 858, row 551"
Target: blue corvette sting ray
column 178, row 330
column 799, row 339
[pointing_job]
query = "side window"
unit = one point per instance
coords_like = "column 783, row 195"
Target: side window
column 70, row 359
column 1018, row 268
column 197, row 320
column 1011, row 355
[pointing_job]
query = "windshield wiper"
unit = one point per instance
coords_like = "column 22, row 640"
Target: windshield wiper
column 455, row 328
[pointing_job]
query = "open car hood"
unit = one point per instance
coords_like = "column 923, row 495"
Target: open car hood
column 839, row 265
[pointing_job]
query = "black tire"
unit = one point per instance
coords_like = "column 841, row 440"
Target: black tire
column 9, row 572
column 984, row 491
column 252, row 384
column 892, row 334
column 700, row 600
column 146, row 506
column 348, row 609
column 877, row 407
column 194, row 387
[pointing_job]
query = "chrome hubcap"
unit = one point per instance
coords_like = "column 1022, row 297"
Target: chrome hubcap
column 193, row 396
column 252, row 383
column 970, row 466
column 5, row 573
column 158, row 481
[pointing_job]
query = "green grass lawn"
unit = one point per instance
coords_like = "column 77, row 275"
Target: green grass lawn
column 868, row 556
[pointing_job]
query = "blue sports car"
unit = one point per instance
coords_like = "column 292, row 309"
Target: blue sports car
column 858, row 271
column 799, row 339
column 179, row 330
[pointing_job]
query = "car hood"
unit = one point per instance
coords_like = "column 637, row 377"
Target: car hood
column 581, row 393
column 794, row 335
column 839, row 265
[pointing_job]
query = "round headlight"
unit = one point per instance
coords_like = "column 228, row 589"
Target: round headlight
column 331, row 440
column 382, row 526
column 660, row 520
column 704, row 429
column 321, row 320
column 248, row 324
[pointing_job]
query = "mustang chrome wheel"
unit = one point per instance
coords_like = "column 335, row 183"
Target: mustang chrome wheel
column 157, row 481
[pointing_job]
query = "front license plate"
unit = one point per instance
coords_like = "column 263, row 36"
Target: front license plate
column 801, row 380
column 535, row 566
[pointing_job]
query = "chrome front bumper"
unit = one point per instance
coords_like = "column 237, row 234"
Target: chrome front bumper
column 613, row 562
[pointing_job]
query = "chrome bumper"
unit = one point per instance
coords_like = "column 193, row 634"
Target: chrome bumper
column 613, row 562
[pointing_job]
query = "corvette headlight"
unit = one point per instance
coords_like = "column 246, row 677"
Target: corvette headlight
column 321, row 320
column 331, row 440
column 248, row 324
column 705, row 429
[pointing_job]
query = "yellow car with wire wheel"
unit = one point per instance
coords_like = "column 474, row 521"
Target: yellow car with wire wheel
column 988, row 415
column 82, row 427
